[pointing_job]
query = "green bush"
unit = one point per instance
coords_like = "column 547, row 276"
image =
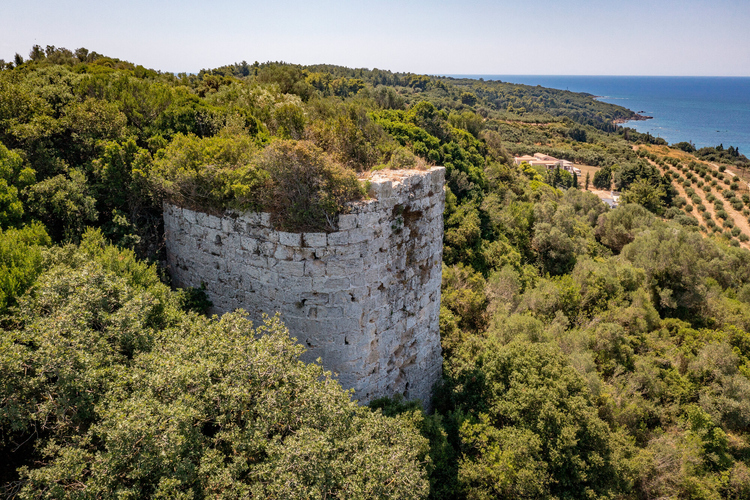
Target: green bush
column 307, row 190
column 212, row 173
column 514, row 450
column 299, row 184
column 686, row 220
column 64, row 204
column 20, row 261
column 671, row 212
column 14, row 177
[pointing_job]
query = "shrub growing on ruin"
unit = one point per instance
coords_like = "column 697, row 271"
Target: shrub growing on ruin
column 297, row 182
column 307, row 189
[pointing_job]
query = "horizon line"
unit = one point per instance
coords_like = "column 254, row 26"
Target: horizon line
column 582, row 75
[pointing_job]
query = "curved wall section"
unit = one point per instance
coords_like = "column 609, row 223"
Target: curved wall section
column 365, row 299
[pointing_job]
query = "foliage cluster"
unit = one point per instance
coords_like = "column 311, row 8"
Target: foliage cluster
column 114, row 391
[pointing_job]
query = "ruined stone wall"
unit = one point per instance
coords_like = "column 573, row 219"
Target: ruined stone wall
column 365, row 299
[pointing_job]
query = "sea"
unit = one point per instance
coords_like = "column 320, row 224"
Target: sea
column 706, row 111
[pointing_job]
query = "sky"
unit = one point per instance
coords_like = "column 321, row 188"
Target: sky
column 438, row 37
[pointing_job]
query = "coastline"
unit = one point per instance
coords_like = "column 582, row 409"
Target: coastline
column 635, row 118
column 706, row 111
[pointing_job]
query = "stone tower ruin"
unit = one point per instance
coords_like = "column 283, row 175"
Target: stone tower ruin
column 365, row 298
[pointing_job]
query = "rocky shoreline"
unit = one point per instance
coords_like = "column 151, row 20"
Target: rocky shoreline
column 635, row 118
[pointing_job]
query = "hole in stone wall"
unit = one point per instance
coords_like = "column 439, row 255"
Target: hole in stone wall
column 217, row 240
column 346, row 340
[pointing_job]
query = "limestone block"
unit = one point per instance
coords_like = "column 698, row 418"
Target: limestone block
column 213, row 222
column 359, row 235
column 200, row 219
column 295, row 284
column 341, row 298
column 290, row 239
column 381, row 189
column 314, row 298
column 267, row 249
column 283, row 252
column 347, row 221
column 249, row 244
column 269, row 278
column 314, row 268
column 314, row 240
column 289, row 268
column 228, row 225
column 338, row 238
column 345, row 268
column 265, row 219
column 327, row 284
column 303, row 254
column 251, row 274
column 323, row 253
column 251, row 219
column 357, row 280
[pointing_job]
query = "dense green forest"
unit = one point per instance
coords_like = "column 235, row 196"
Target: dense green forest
column 588, row 352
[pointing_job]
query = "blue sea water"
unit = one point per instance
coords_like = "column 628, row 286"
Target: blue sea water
column 705, row 110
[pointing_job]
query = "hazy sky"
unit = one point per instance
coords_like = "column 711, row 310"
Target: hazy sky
column 582, row 37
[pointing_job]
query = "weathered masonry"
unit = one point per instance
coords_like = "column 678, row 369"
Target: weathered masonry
column 365, row 299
